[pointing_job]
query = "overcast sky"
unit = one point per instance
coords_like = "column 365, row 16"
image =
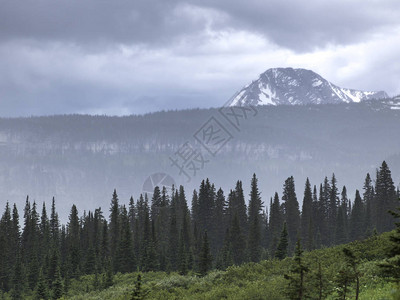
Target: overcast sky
column 136, row 56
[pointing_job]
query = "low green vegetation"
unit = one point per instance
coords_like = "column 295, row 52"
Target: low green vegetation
column 327, row 270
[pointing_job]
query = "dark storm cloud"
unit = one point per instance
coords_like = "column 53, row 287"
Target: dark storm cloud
column 298, row 25
column 94, row 21
column 305, row 25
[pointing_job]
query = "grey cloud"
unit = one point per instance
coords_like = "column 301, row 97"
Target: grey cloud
column 297, row 25
column 306, row 25
column 92, row 22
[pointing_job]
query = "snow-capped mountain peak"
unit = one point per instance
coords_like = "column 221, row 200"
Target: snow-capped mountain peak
column 297, row 86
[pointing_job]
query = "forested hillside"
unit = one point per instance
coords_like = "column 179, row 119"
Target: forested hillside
column 329, row 274
column 80, row 159
column 45, row 258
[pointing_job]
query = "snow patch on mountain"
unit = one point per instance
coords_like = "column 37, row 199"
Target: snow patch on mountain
column 288, row 86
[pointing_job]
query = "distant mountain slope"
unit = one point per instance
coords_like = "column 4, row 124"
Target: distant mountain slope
column 297, row 86
column 81, row 159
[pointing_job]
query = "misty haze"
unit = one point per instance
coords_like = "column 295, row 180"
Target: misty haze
column 199, row 150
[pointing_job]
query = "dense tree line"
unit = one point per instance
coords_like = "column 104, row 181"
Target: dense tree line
column 162, row 233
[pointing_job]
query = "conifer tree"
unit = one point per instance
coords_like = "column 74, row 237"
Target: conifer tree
column 173, row 242
column 90, row 262
column 44, row 232
column 319, row 283
column 104, row 251
column 275, row 223
column 347, row 275
column 205, row 258
column 149, row 259
column 183, row 209
column 333, row 201
column 41, row 288
column 17, row 280
column 57, row 285
column 368, row 199
column 340, row 229
column 156, row 203
column 385, row 198
column 237, row 241
column 240, row 206
column 206, row 203
column 5, row 248
column 346, row 211
column 195, row 208
column 160, row 230
column 54, row 265
column 219, row 220
column 296, row 285
column 125, row 260
column 182, row 255
column 307, row 215
column 137, row 292
column 391, row 265
column 282, row 248
column 357, row 218
column 108, row 279
column 225, row 258
column 132, row 214
column 291, row 210
column 54, row 225
column 255, row 224
column 73, row 242
column 324, row 194
column 15, row 236
column 114, row 232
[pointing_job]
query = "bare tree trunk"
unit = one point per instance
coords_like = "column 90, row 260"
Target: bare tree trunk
column 357, row 287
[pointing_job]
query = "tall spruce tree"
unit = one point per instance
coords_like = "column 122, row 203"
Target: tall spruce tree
column 307, row 215
column 357, row 218
column 44, row 231
column 385, row 198
column 275, row 223
column 73, row 243
column 324, row 228
column 368, row 199
column 125, row 259
column 282, row 248
column 291, row 210
column 391, row 265
column 332, row 208
column 17, row 280
column 5, row 249
column 155, row 203
column 205, row 258
column 114, row 230
column 255, row 222
column 296, row 278
column 173, row 247
column 237, row 241
column 206, row 204
column 41, row 292
column 54, row 225
column 345, row 204
column 340, row 229
column 219, row 222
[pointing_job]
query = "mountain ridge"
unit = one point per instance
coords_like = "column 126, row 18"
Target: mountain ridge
column 288, row 86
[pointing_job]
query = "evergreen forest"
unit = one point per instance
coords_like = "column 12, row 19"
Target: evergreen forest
column 210, row 244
